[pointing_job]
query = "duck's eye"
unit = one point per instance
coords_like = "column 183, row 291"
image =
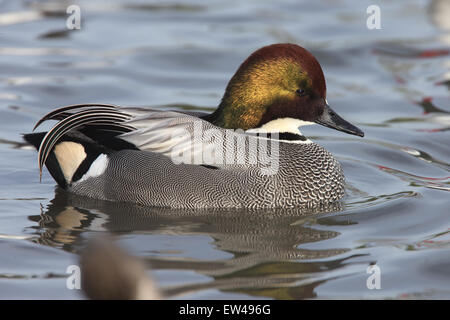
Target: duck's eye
column 300, row 92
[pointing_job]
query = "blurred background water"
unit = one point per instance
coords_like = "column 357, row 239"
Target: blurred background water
column 393, row 83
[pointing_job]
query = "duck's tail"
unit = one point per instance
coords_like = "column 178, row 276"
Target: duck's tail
column 82, row 134
column 70, row 158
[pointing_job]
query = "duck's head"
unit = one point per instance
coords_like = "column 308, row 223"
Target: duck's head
column 280, row 81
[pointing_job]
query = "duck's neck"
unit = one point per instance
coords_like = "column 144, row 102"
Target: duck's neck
column 235, row 116
column 285, row 128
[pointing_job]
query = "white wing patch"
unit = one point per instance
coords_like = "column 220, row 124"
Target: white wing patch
column 97, row 168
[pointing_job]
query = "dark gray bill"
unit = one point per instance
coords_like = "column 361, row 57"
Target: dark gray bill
column 331, row 119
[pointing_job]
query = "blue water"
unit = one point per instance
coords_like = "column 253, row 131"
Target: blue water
column 393, row 83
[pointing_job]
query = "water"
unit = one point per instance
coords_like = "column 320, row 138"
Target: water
column 393, row 83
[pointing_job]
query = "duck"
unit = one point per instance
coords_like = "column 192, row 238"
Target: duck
column 248, row 153
column 110, row 273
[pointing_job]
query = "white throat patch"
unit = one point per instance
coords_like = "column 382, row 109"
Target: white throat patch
column 289, row 125
column 285, row 125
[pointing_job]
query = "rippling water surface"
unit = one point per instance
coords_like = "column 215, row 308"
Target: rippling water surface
column 393, row 83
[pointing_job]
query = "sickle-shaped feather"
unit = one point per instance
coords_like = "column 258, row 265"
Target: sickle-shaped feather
column 92, row 116
column 61, row 113
column 77, row 120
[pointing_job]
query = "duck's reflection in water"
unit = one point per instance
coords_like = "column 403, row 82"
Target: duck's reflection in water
column 267, row 258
